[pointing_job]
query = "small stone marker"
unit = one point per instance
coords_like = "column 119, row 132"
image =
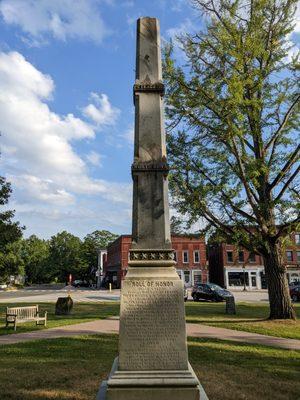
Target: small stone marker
column 153, row 359
column 63, row 306
column 230, row 305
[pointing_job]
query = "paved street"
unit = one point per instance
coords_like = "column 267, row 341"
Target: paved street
column 251, row 296
column 47, row 293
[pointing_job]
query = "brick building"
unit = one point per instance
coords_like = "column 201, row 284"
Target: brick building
column 228, row 265
column 190, row 256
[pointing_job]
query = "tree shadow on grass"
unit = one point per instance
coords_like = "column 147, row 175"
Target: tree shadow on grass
column 72, row 368
column 231, row 370
column 68, row 368
column 225, row 321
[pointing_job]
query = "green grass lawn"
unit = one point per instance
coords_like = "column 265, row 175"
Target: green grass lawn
column 72, row 368
column 251, row 317
column 82, row 312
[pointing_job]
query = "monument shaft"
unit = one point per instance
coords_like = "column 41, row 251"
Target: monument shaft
column 150, row 222
column 153, row 360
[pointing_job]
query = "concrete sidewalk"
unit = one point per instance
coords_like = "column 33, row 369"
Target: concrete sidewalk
column 112, row 326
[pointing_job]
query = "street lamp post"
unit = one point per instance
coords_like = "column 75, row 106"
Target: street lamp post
column 244, row 275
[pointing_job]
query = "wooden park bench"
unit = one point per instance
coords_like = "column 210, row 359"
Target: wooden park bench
column 19, row 315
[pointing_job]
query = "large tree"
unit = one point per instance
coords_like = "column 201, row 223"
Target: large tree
column 11, row 261
column 10, row 230
column 35, row 255
column 233, row 110
column 93, row 242
column 66, row 257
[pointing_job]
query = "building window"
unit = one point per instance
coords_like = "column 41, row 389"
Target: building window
column 197, row 277
column 185, row 256
column 187, row 277
column 241, row 256
column 252, row 257
column 229, row 256
column 237, row 278
column 294, row 278
column 297, row 238
column 289, row 255
column 253, row 279
column 298, row 255
column 196, row 256
column 175, row 256
column 263, row 280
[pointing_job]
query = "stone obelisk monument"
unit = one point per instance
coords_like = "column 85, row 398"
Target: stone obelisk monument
column 153, row 360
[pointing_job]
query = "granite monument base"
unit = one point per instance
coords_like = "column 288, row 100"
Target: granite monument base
column 167, row 390
column 153, row 360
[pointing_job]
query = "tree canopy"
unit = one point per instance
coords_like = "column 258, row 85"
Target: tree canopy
column 10, row 230
column 93, row 242
column 10, row 233
column 233, row 111
column 44, row 261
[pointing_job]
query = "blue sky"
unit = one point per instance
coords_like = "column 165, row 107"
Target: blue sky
column 66, row 111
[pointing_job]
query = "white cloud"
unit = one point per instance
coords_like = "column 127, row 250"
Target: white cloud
column 293, row 38
column 178, row 5
column 36, row 142
column 131, row 19
column 31, row 187
column 297, row 19
column 39, row 136
column 128, row 135
column 61, row 19
column 79, row 220
column 293, row 51
column 100, row 111
column 187, row 26
column 94, row 158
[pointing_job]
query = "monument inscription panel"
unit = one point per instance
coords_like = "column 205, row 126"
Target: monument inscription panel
column 153, row 324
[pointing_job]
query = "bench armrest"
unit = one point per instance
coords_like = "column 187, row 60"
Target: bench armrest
column 38, row 314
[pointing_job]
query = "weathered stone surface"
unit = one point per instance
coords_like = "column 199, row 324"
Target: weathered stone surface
column 150, row 385
column 230, row 305
column 152, row 323
column 63, row 306
column 149, row 170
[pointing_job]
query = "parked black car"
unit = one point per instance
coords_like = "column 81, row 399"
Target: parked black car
column 210, row 291
column 294, row 283
column 295, row 293
column 80, row 283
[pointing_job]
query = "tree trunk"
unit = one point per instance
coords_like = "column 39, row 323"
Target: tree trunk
column 279, row 296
